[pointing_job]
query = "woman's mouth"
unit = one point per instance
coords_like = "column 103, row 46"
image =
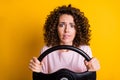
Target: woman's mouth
column 66, row 36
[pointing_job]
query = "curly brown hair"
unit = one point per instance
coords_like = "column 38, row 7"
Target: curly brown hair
column 51, row 37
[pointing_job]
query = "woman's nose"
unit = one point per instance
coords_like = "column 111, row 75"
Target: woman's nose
column 67, row 28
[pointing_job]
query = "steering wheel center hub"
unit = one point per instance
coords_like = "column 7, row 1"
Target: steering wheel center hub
column 64, row 78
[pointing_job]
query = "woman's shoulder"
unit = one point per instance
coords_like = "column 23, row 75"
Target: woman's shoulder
column 44, row 48
column 86, row 49
column 83, row 47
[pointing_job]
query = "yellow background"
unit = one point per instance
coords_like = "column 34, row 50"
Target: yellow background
column 21, row 29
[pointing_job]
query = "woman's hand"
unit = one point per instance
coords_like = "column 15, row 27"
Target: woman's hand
column 35, row 65
column 92, row 65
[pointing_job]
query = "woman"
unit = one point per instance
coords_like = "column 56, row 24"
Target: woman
column 66, row 25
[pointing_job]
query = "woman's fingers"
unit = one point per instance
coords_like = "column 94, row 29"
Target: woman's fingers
column 35, row 65
column 36, row 60
column 93, row 64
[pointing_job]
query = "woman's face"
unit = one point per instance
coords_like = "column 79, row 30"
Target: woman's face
column 66, row 29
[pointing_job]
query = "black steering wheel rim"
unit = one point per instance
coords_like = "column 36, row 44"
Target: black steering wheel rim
column 64, row 72
column 48, row 51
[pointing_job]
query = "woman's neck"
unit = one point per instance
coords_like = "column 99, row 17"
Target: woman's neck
column 65, row 50
column 65, row 43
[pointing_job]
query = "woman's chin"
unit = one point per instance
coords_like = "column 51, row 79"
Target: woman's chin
column 67, row 43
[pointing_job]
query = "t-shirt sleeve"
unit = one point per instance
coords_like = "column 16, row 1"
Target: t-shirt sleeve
column 87, row 50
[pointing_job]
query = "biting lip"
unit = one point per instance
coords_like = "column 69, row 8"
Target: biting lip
column 66, row 36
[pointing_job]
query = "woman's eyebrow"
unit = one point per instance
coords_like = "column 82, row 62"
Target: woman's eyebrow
column 69, row 23
column 62, row 22
column 72, row 23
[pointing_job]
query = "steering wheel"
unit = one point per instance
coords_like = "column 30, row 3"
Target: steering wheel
column 65, row 74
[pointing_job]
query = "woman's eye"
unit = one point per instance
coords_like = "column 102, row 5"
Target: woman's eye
column 72, row 25
column 61, row 25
